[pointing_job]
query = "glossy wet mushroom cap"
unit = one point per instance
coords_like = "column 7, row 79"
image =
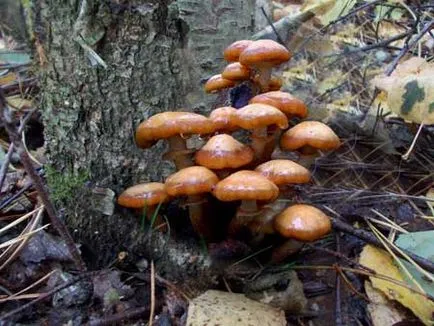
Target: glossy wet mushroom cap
column 224, row 118
column 314, row 134
column 232, row 52
column 142, row 195
column 285, row 102
column 217, row 83
column 254, row 116
column 302, row 222
column 236, row 71
column 168, row 124
column 246, row 185
column 193, row 180
column 223, row 152
column 264, row 53
column 283, row 172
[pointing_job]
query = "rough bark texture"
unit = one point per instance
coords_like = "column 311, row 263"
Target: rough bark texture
column 157, row 53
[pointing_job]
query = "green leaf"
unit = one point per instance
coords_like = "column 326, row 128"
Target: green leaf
column 421, row 244
column 9, row 56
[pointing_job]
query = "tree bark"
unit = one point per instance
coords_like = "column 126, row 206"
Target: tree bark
column 157, row 53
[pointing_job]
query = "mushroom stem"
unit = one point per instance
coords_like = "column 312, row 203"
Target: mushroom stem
column 179, row 152
column 259, row 142
column 246, row 213
column 270, row 145
column 196, row 205
column 288, row 248
column 264, row 77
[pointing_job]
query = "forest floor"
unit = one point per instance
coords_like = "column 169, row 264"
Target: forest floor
column 380, row 198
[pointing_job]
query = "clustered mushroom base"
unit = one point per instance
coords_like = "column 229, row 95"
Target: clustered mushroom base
column 244, row 179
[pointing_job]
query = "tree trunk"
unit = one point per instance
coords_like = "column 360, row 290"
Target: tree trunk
column 157, row 55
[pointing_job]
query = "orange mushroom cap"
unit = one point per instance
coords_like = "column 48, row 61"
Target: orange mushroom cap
column 302, row 222
column 275, row 84
column 264, row 53
column 223, row 151
column 217, row 83
column 282, row 172
column 224, row 118
column 254, row 116
column 310, row 133
column 236, row 71
column 168, row 124
column 193, row 180
column 144, row 194
column 285, row 102
column 246, row 185
column 232, row 52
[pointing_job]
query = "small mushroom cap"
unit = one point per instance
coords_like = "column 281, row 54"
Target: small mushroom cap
column 236, row 71
column 246, row 185
column 310, row 133
column 254, row 116
column 232, row 52
column 285, row 102
column 169, row 124
column 144, row 194
column 275, row 84
column 264, row 53
column 217, row 83
column 283, row 172
column 222, row 152
column 193, row 180
column 302, row 222
column 224, row 118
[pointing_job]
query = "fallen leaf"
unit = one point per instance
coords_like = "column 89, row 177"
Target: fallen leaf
column 410, row 90
column 224, row 308
column 421, row 244
column 381, row 310
column 328, row 11
column 382, row 263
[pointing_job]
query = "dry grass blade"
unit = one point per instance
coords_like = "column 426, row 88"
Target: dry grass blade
column 152, row 309
column 386, row 244
column 15, row 245
column 22, row 237
column 19, row 220
column 391, row 223
column 20, row 297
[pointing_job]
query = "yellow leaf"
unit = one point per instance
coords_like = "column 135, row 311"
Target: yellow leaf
column 382, row 263
column 382, row 311
column 318, row 7
column 328, row 10
column 410, row 90
column 19, row 103
column 8, row 78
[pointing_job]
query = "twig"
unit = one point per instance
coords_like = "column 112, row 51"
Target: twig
column 272, row 27
column 49, row 294
column 408, row 46
column 152, row 309
column 38, row 183
column 11, row 150
column 362, row 272
column 116, row 319
column 369, row 238
column 373, row 46
column 338, row 304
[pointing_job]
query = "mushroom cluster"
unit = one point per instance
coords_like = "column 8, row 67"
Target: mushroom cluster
column 230, row 170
